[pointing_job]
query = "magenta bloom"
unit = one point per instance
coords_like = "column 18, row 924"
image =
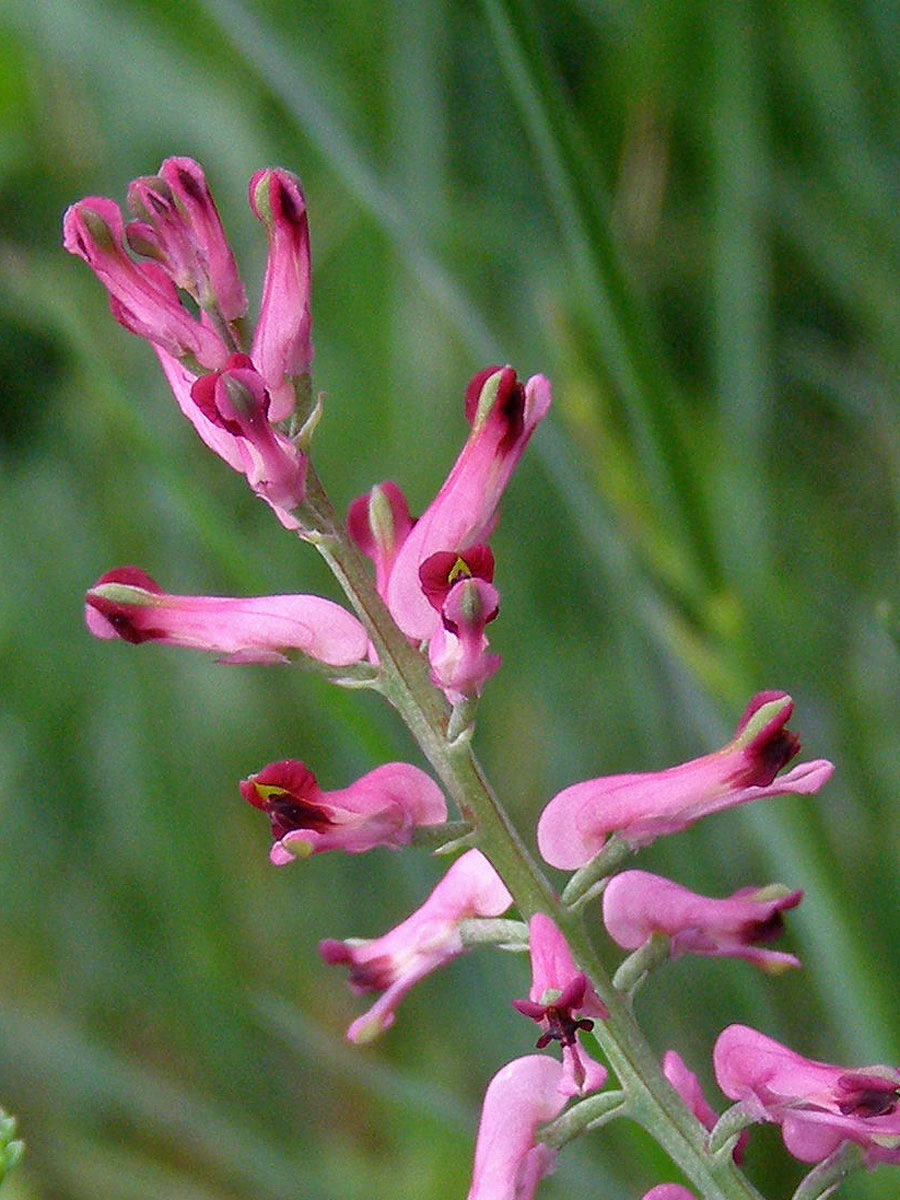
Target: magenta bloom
column 509, row 1161
column 637, row 904
column 817, row 1105
column 427, row 939
column 178, row 226
column 562, row 1001
column 281, row 346
column 142, row 296
column 503, row 415
column 687, row 1085
column 378, row 523
column 640, row 807
column 235, row 401
column 127, row 603
column 380, row 809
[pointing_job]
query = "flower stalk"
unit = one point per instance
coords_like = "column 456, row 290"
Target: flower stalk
column 405, row 683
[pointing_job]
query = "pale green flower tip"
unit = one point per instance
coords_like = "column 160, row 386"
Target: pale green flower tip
column 764, row 715
column 366, row 1031
column 771, row 891
column 125, row 593
column 488, row 395
column 298, row 848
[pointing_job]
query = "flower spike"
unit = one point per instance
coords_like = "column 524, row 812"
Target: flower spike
column 380, row 809
column 641, row 807
column 427, row 939
column 127, row 603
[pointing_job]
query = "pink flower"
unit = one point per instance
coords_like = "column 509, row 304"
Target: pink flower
column 380, row 809
column 817, row 1105
column 426, row 940
column 637, row 904
column 562, row 1001
column 503, row 415
column 127, row 603
column 509, row 1161
column 687, row 1086
column 281, row 346
column 379, row 522
column 458, row 587
column 178, row 225
column 142, row 296
column 640, row 807
column 235, row 401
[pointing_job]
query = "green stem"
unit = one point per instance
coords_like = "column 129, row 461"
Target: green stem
column 405, row 682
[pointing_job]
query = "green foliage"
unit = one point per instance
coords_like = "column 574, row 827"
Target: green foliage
column 684, row 214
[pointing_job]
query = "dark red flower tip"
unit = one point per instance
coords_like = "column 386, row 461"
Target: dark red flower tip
column 440, row 571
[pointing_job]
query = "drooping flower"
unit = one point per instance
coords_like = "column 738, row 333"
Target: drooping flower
column 687, row 1085
column 127, row 603
column 503, row 414
column 817, row 1105
column 640, row 807
column 562, row 1001
column 459, row 588
column 281, row 347
column 235, row 401
column 380, row 809
column 637, row 904
column 509, row 1161
column 426, row 940
column 378, row 523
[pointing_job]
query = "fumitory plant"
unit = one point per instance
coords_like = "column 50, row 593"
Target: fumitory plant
column 421, row 594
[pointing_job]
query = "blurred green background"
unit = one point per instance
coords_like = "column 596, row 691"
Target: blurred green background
column 684, row 213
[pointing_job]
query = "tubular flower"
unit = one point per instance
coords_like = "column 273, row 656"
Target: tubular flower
column 235, row 401
column 378, row 523
column 380, row 809
column 426, row 940
column 509, row 1161
column 817, row 1105
column 562, row 1001
column 503, row 414
column 640, row 807
column 687, row 1086
column 177, row 224
column 142, row 296
column 459, row 588
column 281, row 346
column 637, row 904
column 127, row 603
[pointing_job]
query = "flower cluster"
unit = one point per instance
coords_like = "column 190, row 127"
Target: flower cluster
column 421, row 627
